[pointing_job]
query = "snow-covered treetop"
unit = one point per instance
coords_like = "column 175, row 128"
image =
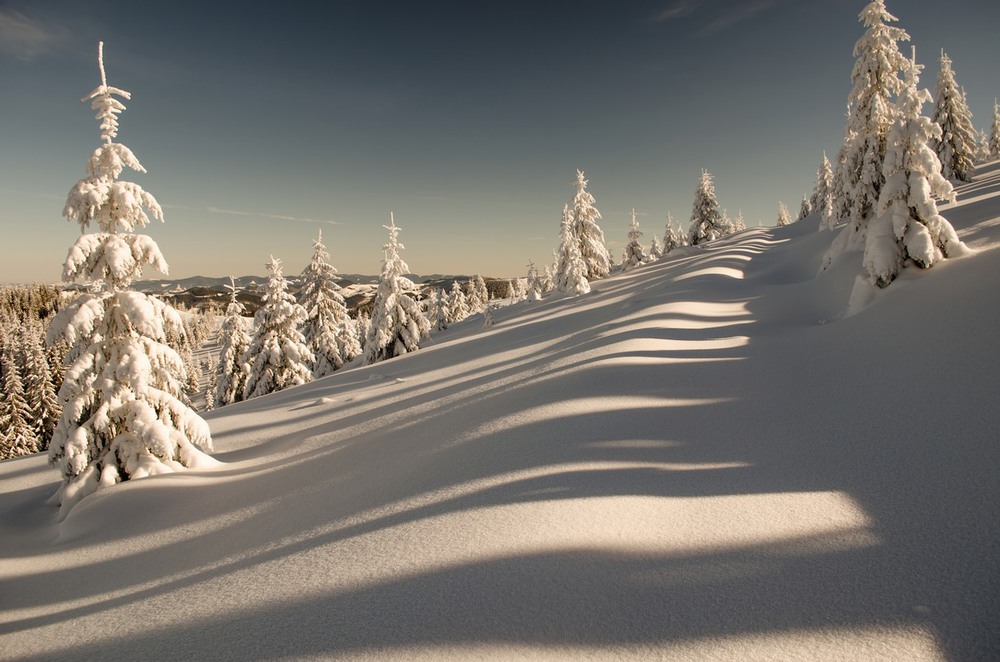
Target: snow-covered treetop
column 112, row 204
column 116, row 206
column 392, row 264
column 878, row 58
column 235, row 308
column 102, row 100
column 633, row 231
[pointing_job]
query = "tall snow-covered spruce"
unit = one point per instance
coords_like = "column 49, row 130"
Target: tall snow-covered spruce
column 586, row 231
column 398, row 325
column 875, row 81
column 278, row 356
column 957, row 145
column 329, row 330
column 908, row 228
column 123, row 414
column 707, row 221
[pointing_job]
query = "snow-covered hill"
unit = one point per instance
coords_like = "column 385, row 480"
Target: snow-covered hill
column 710, row 457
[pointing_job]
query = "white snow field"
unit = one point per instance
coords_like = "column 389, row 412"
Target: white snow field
column 702, row 459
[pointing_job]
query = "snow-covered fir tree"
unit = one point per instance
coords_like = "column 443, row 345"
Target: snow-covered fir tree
column 822, row 194
column 397, row 324
column 438, row 309
column 458, row 306
column 673, row 237
column 278, row 356
column 587, row 233
column 16, row 434
column 39, row 390
column 840, row 201
column 548, row 281
column 488, row 315
column 957, row 146
column 571, row 270
column 328, row 328
column 908, row 228
column 994, row 140
column 123, row 416
column 533, row 286
column 783, row 216
column 209, row 366
column 364, row 323
column 738, row 224
column 804, row 209
column 477, row 296
column 655, row 250
column 875, row 81
column 234, row 339
column 634, row 254
column 707, row 222
column 983, row 153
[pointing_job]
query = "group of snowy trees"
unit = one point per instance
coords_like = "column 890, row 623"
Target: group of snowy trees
column 30, row 372
column 582, row 255
column 895, row 162
column 446, row 307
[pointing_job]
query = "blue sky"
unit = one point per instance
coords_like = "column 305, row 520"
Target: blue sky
column 260, row 123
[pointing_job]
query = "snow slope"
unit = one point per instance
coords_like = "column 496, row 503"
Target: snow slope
column 704, row 458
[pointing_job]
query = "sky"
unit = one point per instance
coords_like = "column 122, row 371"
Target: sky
column 262, row 123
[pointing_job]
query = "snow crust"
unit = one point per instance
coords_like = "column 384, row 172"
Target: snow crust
column 704, row 458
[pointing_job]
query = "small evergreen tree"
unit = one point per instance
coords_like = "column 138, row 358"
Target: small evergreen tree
column 488, row 315
column 822, row 195
column 548, row 280
column 398, row 325
column 804, row 209
column 209, row 368
column 439, row 308
column 123, row 416
column 230, row 371
column 634, row 252
column 908, row 227
column 956, row 148
column 783, row 216
column 458, row 307
column 326, row 315
column 587, row 233
column 477, row 295
column 278, row 356
column 571, row 270
column 707, row 222
column 534, row 283
column 739, row 223
column 655, row 250
column 994, row 140
column 672, row 237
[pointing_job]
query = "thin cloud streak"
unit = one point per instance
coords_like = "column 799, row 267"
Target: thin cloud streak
column 250, row 214
column 25, row 38
column 736, row 16
column 678, row 9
